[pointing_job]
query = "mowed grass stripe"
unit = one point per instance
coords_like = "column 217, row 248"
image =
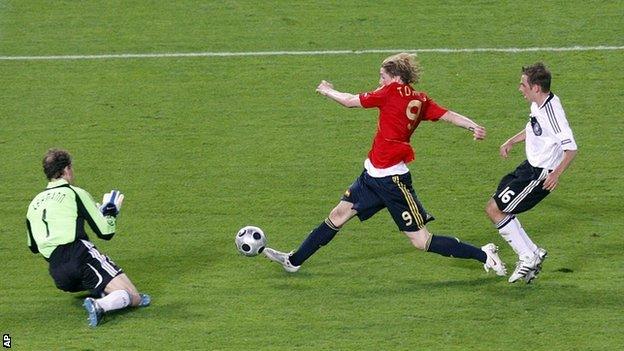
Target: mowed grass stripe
column 308, row 53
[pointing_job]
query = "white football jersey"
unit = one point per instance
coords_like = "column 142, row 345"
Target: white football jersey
column 548, row 134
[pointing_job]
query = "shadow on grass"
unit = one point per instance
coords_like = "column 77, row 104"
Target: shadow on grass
column 552, row 290
column 166, row 311
column 443, row 284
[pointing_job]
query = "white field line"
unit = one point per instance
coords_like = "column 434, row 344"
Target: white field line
column 306, row 53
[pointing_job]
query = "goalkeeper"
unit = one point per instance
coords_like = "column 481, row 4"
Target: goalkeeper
column 55, row 223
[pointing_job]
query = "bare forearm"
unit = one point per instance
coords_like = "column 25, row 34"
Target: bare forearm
column 521, row 136
column 508, row 145
column 458, row 120
column 552, row 180
column 345, row 99
column 464, row 122
column 326, row 88
column 568, row 156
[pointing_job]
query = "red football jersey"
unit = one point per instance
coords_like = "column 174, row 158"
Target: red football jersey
column 401, row 109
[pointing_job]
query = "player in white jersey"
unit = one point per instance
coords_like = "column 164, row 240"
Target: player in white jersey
column 550, row 147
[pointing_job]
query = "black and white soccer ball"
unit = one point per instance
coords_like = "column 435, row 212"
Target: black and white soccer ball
column 250, row 241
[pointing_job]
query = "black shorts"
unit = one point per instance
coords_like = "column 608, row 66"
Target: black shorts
column 79, row 266
column 521, row 190
column 369, row 195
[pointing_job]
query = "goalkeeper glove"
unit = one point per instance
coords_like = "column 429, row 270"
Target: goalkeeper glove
column 111, row 203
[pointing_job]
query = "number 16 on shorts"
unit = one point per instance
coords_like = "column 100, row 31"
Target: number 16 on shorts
column 506, row 195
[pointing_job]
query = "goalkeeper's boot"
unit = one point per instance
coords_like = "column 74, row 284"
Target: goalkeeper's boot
column 95, row 312
column 493, row 261
column 540, row 256
column 145, row 300
column 281, row 258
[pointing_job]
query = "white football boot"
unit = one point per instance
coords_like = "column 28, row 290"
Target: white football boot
column 281, row 258
column 541, row 255
column 523, row 267
column 493, row 261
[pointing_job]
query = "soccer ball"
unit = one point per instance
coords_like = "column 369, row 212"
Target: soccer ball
column 250, row 240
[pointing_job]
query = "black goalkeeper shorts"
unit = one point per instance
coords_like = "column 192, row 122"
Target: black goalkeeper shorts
column 79, row 266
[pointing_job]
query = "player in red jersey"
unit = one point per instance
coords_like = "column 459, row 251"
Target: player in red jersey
column 386, row 181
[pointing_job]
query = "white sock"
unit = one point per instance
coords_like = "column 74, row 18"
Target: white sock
column 116, row 300
column 527, row 241
column 511, row 230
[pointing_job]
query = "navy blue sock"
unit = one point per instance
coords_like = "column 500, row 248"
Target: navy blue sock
column 320, row 236
column 452, row 247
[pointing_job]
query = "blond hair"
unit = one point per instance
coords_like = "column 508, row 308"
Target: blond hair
column 403, row 65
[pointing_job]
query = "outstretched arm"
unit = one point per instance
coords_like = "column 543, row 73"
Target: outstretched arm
column 455, row 118
column 508, row 145
column 326, row 88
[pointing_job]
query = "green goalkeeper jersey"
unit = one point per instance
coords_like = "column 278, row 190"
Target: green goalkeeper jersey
column 56, row 216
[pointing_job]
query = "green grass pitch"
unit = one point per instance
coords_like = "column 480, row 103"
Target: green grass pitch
column 202, row 146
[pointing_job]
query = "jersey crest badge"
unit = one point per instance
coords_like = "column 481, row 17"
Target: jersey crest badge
column 537, row 129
